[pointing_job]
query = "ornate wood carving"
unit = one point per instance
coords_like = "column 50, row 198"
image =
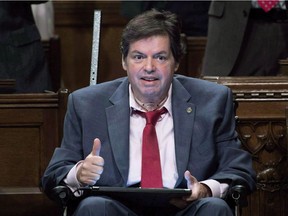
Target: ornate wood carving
column 266, row 141
column 262, row 115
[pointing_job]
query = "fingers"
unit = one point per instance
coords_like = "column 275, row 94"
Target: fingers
column 178, row 202
column 198, row 190
column 92, row 167
column 87, row 176
column 182, row 203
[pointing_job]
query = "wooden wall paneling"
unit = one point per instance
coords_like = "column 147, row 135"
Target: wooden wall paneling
column 194, row 57
column 30, row 131
column 73, row 23
column 76, row 55
column 262, row 128
column 7, row 85
column 53, row 53
column 110, row 65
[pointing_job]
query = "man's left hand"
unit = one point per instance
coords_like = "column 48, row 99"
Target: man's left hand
column 198, row 189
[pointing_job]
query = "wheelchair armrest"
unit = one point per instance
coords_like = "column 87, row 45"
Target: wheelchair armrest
column 62, row 194
column 238, row 194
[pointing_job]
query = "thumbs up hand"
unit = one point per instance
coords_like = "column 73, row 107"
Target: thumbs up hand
column 90, row 170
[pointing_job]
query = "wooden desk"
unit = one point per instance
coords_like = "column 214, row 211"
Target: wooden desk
column 30, row 129
column 262, row 127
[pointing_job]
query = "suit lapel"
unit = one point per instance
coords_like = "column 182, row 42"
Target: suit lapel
column 183, row 118
column 118, row 120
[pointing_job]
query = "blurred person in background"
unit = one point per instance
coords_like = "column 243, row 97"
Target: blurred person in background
column 22, row 56
column 245, row 39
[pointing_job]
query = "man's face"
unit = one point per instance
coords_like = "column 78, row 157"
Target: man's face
column 150, row 66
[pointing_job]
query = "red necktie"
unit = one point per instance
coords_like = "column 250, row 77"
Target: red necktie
column 267, row 5
column 151, row 175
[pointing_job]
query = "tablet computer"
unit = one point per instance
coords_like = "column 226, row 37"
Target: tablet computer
column 144, row 196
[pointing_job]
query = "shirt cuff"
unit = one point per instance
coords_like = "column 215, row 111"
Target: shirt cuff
column 72, row 181
column 218, row 189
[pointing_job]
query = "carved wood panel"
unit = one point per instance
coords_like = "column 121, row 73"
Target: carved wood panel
column 262, row 127
column 30, row 129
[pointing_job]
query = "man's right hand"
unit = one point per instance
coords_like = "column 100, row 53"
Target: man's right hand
column 90, row 170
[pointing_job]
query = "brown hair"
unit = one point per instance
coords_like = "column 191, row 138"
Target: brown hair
column 152, row 23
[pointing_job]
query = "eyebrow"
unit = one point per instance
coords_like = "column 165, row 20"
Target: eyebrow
column 161, row 52
column 136, row 51
column 158, row 53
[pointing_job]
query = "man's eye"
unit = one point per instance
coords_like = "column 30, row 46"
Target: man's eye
column 161, row 58
column 138, row 57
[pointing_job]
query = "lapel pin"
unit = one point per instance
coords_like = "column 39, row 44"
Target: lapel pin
column 189, row 110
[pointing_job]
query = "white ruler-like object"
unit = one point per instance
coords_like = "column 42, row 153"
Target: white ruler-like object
column 95, row 47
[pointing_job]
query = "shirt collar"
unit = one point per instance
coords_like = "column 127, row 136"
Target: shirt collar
column 135, row 106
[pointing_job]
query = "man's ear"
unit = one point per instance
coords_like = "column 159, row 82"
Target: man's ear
column 176, row 66
column 124, row 64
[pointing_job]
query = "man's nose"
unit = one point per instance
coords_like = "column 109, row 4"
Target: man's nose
column 149, row 65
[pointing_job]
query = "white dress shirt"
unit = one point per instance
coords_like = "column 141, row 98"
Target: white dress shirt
column 165, row 136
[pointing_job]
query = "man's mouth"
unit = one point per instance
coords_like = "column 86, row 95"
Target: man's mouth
column 149, row 79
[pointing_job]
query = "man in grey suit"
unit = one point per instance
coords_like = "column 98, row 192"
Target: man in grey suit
column 22, row 56
column 244, row 40
column 199, row 148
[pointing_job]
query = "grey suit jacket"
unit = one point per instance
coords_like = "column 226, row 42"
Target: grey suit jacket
column 205, row 139
column 226, row 28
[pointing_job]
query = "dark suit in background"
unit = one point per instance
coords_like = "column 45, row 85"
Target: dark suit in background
column 193, row 14
column 21, row 53
column 244, row 41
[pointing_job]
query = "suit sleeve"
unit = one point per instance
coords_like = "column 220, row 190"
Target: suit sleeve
column 235, row 164
column 70, row 152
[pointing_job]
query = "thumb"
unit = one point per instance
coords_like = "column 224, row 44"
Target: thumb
column 189, row 178
column 96, row 147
